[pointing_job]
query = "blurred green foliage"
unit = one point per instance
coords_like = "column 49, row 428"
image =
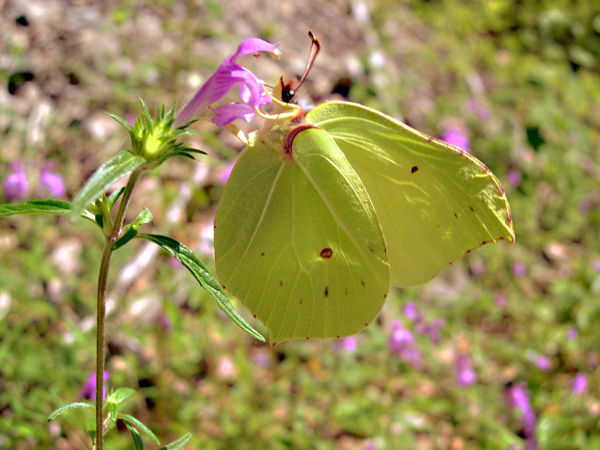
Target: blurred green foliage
column 520, row 79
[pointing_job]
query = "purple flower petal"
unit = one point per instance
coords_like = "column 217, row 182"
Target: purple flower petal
column 572, row 333
column 253, row 46
column 226, row 114
column 88, row 390
column 53, row 182
column 541, row 361
column 500, row 300
column 580, row 384
column 464, row 372
column 518, row 398
column 165, row 322
column 519, row 269
column 350, row 343
column 514, row 177
column 402, row 344
column 15, row 184
column 228, row 75
column 456, row 138
column 410, row 311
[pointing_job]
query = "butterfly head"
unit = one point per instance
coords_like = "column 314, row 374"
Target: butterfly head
column 289, row 89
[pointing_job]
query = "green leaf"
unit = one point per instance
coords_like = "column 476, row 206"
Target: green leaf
column 65, row 408
column 138, row 444
column 185, row 256
column 47, row 207
column 179, row 443
column 120, row 395
column 107, row 174
column 112, row 198
column 194, row 150
column 131, row 231
column 134, row 421
column 55, row 207
column 122, row 122
column 124, row 239
column 143, row 218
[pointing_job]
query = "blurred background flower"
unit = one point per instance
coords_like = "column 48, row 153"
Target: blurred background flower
column 456, row 137
column 15, row 184
column 52, row 181
column 88, row 390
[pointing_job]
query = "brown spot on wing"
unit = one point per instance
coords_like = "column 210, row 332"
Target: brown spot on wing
column 413, row 169
column 326, row 253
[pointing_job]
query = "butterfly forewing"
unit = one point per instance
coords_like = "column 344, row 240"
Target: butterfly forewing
column 434, row 202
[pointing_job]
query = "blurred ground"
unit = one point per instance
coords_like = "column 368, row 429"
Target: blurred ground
column 505, row 336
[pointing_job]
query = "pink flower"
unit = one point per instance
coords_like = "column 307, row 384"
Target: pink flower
column 572, row 333
column 403, row 344
column 519, row 269
column 514, row 177
column 432, row 329
column 52, row 181
column 518, row 398
column 88, row 390
column 227, row 76
column 350, row 344
column 15, row 184
column 500, row 300
column 455, row 137
column 411, row 312
column 543, row 362
column 464, row 371
column 579, row 384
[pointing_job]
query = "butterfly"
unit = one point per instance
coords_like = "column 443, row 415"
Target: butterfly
column 325, row 210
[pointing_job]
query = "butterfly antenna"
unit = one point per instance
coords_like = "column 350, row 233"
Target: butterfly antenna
column 316, row 46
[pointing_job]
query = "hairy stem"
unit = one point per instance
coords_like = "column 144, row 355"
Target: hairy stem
column 101, row 305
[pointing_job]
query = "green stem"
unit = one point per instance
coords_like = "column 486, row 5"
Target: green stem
column 101, row 305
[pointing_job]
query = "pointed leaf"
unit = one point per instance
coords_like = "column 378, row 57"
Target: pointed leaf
column 122, row 122
column 185, row 256
column 136, row 422
column 107, row 174
column 46, row 207
column 65, row 408
column 179, row 443
column 112, row 198
column 120, row 395
column 124, row 239
column 138, row 444
column 144, row 217
column 194, row 150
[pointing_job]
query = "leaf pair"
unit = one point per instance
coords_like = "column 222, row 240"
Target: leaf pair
column 114, row 402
